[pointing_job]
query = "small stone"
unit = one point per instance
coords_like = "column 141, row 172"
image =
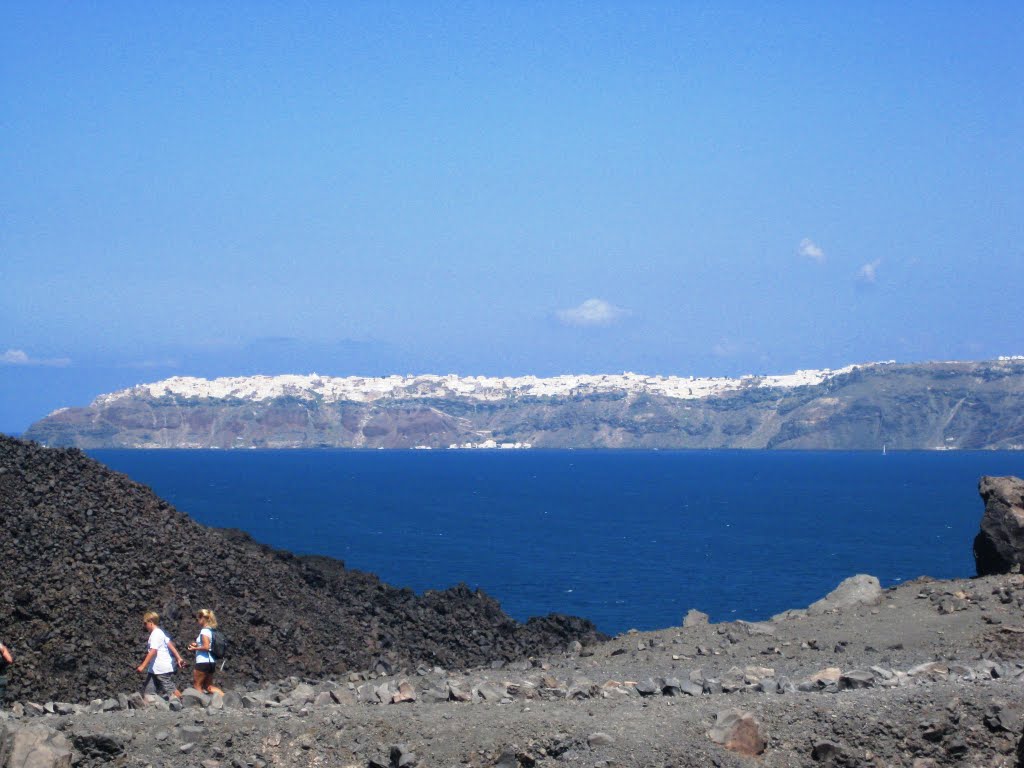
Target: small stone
column 711, row 686
column 738, row 731
column 670, row 686
column 457, row 693
column 405, row 693
column 648, row 688
column 600, row 739
column 856, row 679
column 824, row 676
column 690, row 688
column 826, row 752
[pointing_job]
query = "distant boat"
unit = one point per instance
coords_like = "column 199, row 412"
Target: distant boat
column 883, row 449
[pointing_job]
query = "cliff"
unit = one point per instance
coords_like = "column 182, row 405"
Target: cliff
column 949, row 405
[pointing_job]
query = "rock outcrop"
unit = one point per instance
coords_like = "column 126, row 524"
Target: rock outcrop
column 861, row 589
column 84, row 551
column 999, row 545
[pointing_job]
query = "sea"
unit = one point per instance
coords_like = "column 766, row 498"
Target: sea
column 628, row 539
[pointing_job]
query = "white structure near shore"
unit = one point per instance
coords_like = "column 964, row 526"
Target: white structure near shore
column 490, row 444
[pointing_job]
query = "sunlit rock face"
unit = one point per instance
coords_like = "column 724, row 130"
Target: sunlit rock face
column 874, row 406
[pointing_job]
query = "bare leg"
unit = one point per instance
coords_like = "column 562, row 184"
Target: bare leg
column 210, row 687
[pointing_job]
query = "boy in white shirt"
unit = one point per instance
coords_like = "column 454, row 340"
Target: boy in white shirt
column 158, row 663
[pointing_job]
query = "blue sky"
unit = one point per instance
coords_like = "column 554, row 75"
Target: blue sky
column 502, row 188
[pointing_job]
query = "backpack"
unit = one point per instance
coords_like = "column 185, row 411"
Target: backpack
column 218, row 645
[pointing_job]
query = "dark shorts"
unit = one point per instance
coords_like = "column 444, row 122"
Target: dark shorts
column 3, row 688
column 206, row 666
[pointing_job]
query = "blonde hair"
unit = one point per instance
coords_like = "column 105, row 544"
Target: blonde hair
column 152, row 616
column 208, row 617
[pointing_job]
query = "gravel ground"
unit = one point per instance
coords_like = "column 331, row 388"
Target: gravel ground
column 962, row 704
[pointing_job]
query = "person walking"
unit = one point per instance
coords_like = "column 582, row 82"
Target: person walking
column 206, row 664
column 160, row 657
column 6, row 659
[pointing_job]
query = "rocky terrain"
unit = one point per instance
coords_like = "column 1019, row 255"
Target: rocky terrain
column 955, row 405
column 85, row 552
column 929, row 673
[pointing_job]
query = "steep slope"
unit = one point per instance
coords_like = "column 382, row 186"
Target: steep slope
column 961, row 405
column 85, row 551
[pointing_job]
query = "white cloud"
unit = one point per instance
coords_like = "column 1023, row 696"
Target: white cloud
column 14, row 357
column 20, row 357
column 869, row 272
column 811, row 250
column 592, row 312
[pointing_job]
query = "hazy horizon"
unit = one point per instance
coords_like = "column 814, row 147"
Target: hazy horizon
column 503, row 189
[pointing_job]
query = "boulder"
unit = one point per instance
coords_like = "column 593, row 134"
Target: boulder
column 695, row 618
column 326, row 699
column 457, row 692
column 33, row 747
column 192, row 697
column 999, row 545
column 491, row 691
column 301, row 695
column 738, row 731
column 405, row 693
column 856, row 590
column 1003, row 717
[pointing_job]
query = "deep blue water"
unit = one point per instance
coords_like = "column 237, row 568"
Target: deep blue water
column 625, row 538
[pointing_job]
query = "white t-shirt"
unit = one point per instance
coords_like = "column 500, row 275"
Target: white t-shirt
column 163, row 663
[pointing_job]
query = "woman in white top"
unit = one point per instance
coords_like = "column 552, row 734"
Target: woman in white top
column 202, row 673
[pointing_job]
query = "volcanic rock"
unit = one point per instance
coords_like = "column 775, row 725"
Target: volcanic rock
column 33, row 746
column 695, row 618
column 856, row 590
column 999, row 545
column 86, row 551
column 738, row 731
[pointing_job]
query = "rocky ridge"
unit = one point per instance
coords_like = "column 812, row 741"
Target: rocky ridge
column 954, row 405
column 926, row 674
column 85, row 551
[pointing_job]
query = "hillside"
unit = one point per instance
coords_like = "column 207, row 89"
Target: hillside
column 86, row 551
column 951, row 405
